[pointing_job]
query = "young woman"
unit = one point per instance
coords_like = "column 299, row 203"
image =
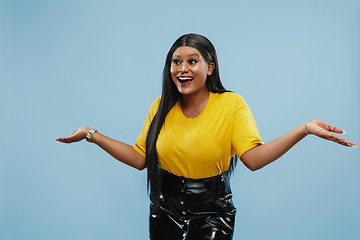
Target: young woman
column 191, row 140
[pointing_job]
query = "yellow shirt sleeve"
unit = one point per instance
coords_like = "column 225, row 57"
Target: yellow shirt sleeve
column 245, row 134
column 140, row 145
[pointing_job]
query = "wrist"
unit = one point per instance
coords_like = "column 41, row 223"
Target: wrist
column 86, row 129
column 306, row 131
column 89, row 134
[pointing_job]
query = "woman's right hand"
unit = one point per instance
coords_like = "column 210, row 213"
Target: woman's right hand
column 74, row 136
column 326, row 131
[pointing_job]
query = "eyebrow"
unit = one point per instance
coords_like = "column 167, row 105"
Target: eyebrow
column 194, row 54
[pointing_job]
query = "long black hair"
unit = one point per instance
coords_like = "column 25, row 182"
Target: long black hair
column 169, row 97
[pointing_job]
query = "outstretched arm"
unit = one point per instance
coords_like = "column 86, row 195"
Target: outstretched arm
column 262, row 155
column 119, row 150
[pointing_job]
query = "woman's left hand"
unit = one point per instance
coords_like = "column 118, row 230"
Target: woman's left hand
column 326, row 131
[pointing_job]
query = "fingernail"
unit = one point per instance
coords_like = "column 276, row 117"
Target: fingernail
column 343, row 132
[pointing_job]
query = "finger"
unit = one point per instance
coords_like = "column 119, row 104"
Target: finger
column 339, row 140
column 348, row 143
column 334, row 129
column 63, row 139
column 72, row 133
column 60, row 139
column 325, row 134
column 66, row 140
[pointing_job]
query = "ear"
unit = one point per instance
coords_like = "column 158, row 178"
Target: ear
column 211, row 67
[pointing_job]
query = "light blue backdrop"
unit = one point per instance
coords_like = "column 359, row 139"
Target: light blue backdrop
column 64, row 64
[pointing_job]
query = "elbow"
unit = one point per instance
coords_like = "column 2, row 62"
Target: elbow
column 251, row 161
column 140, row 167
column 254, row 168
column 139, row 162
column 251, row 165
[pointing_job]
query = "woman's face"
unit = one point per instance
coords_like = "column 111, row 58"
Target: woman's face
column 189, row 70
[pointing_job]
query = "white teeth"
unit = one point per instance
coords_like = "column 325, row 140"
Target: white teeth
column 185, row 78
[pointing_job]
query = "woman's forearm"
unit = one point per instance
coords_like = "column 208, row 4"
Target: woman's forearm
column 121, row 151
column 262, row 155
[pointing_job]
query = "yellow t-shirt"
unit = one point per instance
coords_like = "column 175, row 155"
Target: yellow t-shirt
column 202, row 147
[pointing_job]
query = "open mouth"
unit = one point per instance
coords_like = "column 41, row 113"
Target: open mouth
column 184, row 81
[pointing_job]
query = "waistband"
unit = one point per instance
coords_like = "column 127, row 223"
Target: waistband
column 171, row 182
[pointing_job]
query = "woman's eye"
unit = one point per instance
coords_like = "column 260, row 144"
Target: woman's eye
column 176, row 62
column 192, row 61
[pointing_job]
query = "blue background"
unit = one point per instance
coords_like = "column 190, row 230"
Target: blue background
column 64, row 64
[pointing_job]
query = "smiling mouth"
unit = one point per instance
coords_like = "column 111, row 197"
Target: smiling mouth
column 184, row 81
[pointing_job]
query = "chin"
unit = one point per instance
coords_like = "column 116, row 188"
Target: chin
column 185, row 91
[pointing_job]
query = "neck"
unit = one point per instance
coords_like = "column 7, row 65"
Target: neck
column 193, row 104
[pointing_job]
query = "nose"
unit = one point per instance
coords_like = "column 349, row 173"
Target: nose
column 183, row 67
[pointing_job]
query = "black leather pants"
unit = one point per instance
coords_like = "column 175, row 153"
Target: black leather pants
column 200, row 209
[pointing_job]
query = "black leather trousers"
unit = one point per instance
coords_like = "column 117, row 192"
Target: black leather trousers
column 200, row 209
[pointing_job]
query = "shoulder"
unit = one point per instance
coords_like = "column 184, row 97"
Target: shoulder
column 154, row 106
column 157, row 101
column 229, row 98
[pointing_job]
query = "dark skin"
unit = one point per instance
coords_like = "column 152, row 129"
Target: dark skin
column 189, row 71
